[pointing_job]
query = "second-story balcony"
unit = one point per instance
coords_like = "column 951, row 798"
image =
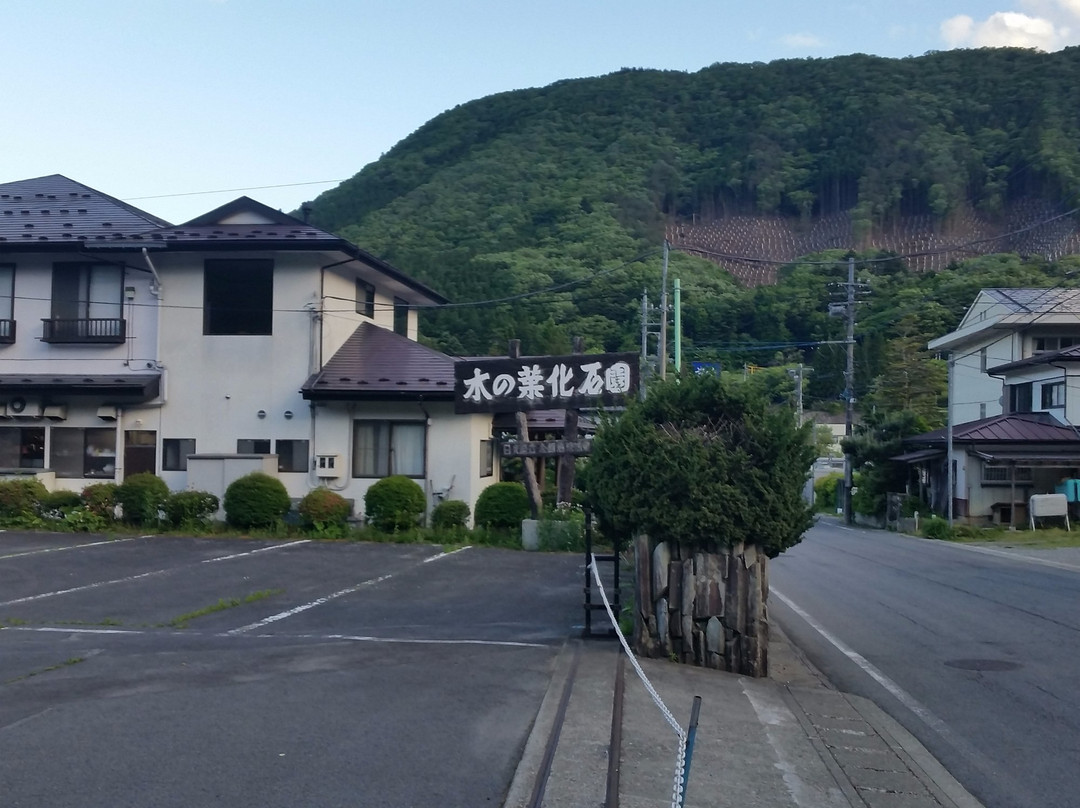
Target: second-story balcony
column 94, row 330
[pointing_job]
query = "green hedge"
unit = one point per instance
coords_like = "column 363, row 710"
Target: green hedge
column 141, row 497
column 502, row 505
column 394, row 503
column 256, row 500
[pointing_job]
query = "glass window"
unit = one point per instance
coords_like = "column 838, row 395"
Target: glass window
column 7, row 291
column 383, row 448
column 1020, row 397
column 83, row 452
column 238, row 296
column 401, row 316
column 487, row 458
column 1053, row 395
column 253, row 446
column 86, row 291
column 292, row 455
column 175, row 453
column 22, row 448
column 365, row 298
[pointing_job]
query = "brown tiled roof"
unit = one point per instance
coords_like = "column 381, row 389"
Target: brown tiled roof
column 1021, row 427
column 377, row 364
column 52, row 210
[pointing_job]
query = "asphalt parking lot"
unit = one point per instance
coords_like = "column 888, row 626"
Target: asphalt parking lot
column 187, row 672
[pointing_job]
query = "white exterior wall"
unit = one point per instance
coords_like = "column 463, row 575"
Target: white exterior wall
column 453, row 447
column 975, row 393
column 217, row 385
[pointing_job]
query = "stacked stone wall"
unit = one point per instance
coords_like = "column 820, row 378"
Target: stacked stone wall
column 702, row 605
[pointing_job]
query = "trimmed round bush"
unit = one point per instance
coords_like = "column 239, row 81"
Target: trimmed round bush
column 190, row 507
column 19, row 499
column 450, row 514
column 502, row 505
column 100, row 499
column 256, row 500
column 322, row 508
column 141, row 497
column 394, row 503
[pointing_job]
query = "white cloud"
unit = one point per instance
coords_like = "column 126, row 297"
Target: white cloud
column 1050, row 26
column 802, row 41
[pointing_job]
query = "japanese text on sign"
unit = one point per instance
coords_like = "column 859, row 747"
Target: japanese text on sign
column 509, row 385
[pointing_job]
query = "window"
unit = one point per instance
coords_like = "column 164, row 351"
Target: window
column 86, row 303
column 1002, row 475
column 1053, row 395
column 83, row 452
column 365, row 298
column 292, row 455
column 7, row 303
column 1050, row 344
column 1020, row 397
column 238, row 296
column 253, row 446
column 22, row 448
column 382, row 448
column 487, row 458
column 175, row 453
column 401, row 316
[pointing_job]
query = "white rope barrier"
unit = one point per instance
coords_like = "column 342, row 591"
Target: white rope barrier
column 679, row 786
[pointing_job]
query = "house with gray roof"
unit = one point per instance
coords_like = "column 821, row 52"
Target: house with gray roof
column 243, row 339
column 1014, row 405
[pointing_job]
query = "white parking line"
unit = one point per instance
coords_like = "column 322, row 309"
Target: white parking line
column 96, row 585
column 69, row 547
column 253, row 552
column 327, row 598
column 1017, row 556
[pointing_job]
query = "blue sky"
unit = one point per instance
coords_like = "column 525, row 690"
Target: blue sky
column 159, row 101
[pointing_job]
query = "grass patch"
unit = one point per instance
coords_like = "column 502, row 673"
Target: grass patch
column 65, row 664
column 1041, row 539
column 223, row 604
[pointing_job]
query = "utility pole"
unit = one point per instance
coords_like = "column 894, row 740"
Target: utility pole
column 949, row 446
column 798, row 374
column 849, row 389
column 678, row 326
column 662, row 349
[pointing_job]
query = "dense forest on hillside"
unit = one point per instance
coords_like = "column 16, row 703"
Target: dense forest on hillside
column 571, row 187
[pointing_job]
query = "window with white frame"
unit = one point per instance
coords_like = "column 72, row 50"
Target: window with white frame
column 1051, row 344
column 77, row 452
column 292, row 455
column 1053, row 395
column 174, row 453
column 22, row 447
column 384, row 448
column 1003, row 475
column 365, row 298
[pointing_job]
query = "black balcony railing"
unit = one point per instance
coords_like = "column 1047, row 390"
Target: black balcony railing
column 92, row 330
column 7, row 332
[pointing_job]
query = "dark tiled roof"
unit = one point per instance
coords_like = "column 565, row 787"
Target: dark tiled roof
column 545, row 421
column 1040, row 301
column 1025, row 427
column 53, row 209
column 1065, row 355
column 376, row 363
column 138, row 385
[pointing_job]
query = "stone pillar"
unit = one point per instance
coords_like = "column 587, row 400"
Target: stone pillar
column 703, row 604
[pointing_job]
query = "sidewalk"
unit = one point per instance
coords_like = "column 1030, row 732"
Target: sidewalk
column 790, row 740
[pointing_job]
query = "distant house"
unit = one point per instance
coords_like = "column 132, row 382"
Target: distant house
column 243, row 339
column 1014, row 405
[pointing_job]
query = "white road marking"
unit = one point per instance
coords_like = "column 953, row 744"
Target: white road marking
column 327, row 598
column 253, row 552
column 420, row 641
column 68, row 547
column 868, row 667
column 1046, row 562
column 96, row 585
column 71, row 630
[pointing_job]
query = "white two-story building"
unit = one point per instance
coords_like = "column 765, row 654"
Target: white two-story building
column 242, row 339
column 1014, row 405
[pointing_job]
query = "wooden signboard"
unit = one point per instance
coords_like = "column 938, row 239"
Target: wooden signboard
column 544, row 382
column 548, row 448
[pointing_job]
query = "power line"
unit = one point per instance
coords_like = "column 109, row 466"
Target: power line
column 234, row 190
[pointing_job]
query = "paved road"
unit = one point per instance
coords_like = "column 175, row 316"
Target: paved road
column 976, row 652
column 386, row 675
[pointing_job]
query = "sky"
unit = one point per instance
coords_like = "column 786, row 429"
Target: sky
column 179, row 106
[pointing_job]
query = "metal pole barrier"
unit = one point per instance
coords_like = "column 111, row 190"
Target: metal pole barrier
column 691, row 733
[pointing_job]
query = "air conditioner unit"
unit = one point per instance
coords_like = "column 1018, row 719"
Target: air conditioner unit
column 55, row 412
column 329, row 466
column 21, row 408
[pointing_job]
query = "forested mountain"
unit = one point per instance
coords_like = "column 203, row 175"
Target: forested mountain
column 573, row 187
